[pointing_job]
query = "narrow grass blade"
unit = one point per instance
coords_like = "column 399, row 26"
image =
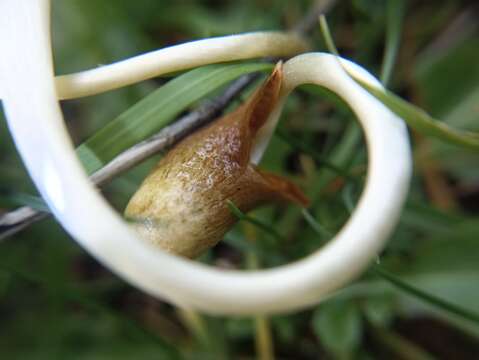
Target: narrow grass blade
column 315, row 225
column 394, row 20
column 242, row 216
column 294, row 143
column 415, row 117
column 426, row 297
column 422, row 122
column 24, row 199
column 157, row 110
column 328, row 38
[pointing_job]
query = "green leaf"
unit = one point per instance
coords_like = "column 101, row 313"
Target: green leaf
column 296, row 144
column 157, row 110
column 445, row 76
column 328, row 38
column 23, row 199
column 73, row 295
column 421, row 121
column 443, row 266
column 338, row 326
column 395, row 13
column 425, row 217
column 242, row 216
column 341, row 155
column 319, row 229
column 415, row 117
column 452, row 93
column 426, row 297
column 379, row 310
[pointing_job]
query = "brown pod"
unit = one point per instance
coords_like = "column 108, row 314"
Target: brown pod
column 181, row 205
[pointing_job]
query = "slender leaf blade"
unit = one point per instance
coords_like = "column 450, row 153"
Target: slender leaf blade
column 415, row 117
column 426, row 297
column 394, row 21
column 157, row 110
column 421, row 121
column 242, row 216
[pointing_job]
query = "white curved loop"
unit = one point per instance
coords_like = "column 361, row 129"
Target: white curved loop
column 37, row 125
column 176, row 58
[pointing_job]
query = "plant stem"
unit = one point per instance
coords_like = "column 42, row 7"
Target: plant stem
column 195, row 324
column 428, row 298
column 263, row 339
column 399, row 345
column 395, row 14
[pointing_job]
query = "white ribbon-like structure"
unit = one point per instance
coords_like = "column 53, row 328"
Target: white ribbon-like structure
column 30, row 94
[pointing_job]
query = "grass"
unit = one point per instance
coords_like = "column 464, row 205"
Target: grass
column 57, row 302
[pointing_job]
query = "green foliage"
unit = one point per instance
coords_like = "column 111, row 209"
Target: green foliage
column 420, row 121
column 338, row 326
column 57, row 302
column 22, row 199
column 431, row 299
column 263, row 226
column 157, row 110
column 415, row 117
column 395, row 14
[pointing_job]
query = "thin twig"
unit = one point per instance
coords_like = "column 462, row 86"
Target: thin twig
column 171, row 134
column 20, row 218
column 310, row 20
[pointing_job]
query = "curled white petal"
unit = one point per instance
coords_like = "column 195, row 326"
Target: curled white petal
column 36, row 122
column 176, row 58
column 304, row 72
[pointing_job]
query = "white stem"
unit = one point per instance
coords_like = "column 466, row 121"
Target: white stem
column 36, row 122
column 176, row 58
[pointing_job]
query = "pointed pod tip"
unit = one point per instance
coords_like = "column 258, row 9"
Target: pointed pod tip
column 273, row 83
column 284, row 189
column 265, row 98
column 278, row 69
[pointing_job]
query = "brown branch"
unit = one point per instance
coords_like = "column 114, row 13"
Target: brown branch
column 310, row 20
column 19, row 219
column 171, row 134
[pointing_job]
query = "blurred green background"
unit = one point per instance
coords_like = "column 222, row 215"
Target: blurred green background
column 57, row 302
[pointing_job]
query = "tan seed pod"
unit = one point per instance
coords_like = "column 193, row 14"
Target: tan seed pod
column 181, row 205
